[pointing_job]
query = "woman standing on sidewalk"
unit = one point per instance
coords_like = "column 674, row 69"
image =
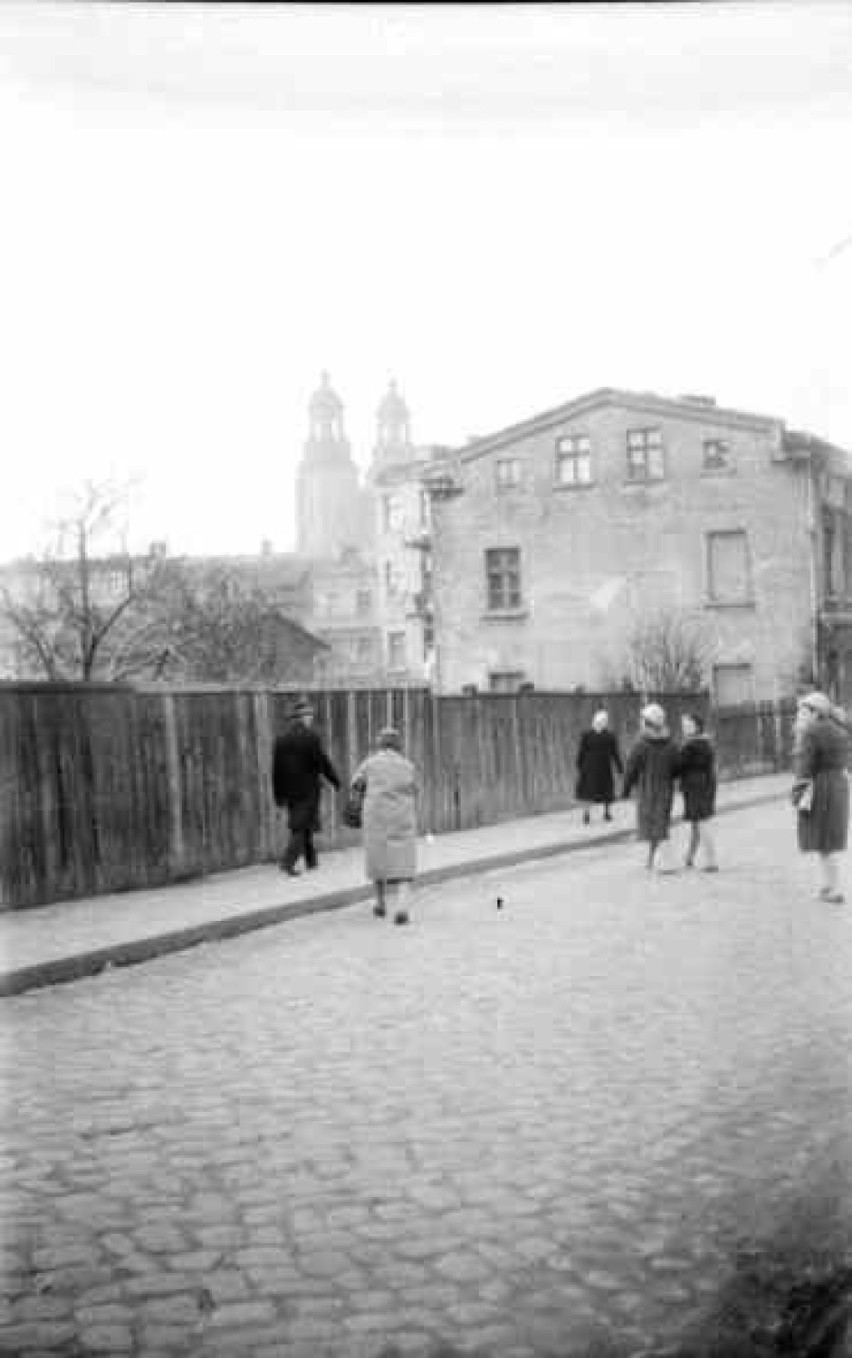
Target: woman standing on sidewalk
column 387, row 781
column 597, row 756
column 697, row 774
column 821, row 787
column 652, row 768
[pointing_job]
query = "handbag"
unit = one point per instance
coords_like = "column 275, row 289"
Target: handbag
column 353, row 810
column 803, row 796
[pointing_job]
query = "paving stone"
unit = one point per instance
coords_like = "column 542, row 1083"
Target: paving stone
column 160, row 1239
column 107, row 1338
column 226, row 1285
column 103, row 1313
column 462, row 1267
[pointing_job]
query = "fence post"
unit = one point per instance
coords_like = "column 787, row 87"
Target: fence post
column 175, row 777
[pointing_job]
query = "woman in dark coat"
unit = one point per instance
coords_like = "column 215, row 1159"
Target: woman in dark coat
column 652, row 768
column 697, row 774
column 597, row 756
column 299, row 762
column 821, row 787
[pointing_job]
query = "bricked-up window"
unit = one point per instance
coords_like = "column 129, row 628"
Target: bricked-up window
column 363, row 602
column 503, row 576
column 717, row 455
column 728, row 568
column 733, row 684
column 365, row 650
column 505, row 681
column 396, row 650
column 508, row 473
column 573, row 460
column 645, row 455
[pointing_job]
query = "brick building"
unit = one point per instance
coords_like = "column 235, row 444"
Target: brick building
column 554, row 536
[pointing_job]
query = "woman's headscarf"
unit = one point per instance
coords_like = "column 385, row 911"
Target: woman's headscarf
column 654, row 717
column 390, row 739
column 600, row 720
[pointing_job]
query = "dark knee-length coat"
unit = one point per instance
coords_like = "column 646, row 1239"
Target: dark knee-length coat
column 697, row 774
column 652, row 767
column 597, row 756
column 821, row 757
column 299, row 763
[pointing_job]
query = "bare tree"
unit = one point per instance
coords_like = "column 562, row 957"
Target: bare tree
column 68, row 606
column 212, row 624
column 668, row 651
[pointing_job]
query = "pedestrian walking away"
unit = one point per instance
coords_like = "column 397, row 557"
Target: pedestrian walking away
column 598, row 756
column 821, row 787
column 387, row 782
column 299, row 764
column 652, row 768
column 697, row 776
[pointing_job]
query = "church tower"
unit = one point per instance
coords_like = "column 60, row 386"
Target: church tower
column 328, row 495
column 393, row 433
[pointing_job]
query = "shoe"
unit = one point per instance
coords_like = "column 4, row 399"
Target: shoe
column 688, row 863
column 833, row 897
column 379, row 911
column 711, row 867
column 290, row 872
column 587, row 820
column 607, row 816
column 401, row 917
column 312, row 867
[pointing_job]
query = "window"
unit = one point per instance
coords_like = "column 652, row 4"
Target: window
column 364, row 652
column 505, row 681
column 645, row 455
column 728, row 568
column 363, row 602
column 424, row 509
column 503, row 576
column 391, row 581
column 573, row 460
column 733, row 684
column 396, row 650
column 428, row 637
column 828, row 541
column 508, row 473
column 717, row 455
column 390, row 513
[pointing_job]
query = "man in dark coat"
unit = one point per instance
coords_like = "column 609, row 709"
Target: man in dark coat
column 299, row 762
column 597, row 756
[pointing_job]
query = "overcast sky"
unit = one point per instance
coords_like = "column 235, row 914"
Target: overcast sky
column 502, row 207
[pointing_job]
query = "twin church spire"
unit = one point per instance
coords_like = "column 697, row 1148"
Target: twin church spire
column 334, row 510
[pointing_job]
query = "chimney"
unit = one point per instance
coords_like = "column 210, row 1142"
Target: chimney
column 696, row 400
column 266, row 547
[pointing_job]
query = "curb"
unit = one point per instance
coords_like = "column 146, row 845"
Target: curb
column 93, row 961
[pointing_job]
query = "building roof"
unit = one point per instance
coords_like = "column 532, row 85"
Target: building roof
column 701, row 408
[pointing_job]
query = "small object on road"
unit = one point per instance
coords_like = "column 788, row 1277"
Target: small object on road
column 401, row 917
column 499, row 902
column 206, row 1304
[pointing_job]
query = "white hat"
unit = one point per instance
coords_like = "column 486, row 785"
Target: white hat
column 653, row 715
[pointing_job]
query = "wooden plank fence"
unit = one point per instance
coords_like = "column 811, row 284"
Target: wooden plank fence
column 106, row 788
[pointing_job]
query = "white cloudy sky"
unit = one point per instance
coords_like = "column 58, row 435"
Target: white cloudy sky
column 204, row 206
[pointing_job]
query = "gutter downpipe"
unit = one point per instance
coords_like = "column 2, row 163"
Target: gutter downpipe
column 812, row 533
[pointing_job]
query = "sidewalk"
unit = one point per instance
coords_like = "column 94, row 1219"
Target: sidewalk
column 63, row 942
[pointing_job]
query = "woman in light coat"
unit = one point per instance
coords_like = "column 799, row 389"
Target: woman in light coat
column 389, row 822
column 821, row 787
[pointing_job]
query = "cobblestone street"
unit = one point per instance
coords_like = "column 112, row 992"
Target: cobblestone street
column 520, row 1131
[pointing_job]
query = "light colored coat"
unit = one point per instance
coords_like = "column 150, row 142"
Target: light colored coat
column 389, row 816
